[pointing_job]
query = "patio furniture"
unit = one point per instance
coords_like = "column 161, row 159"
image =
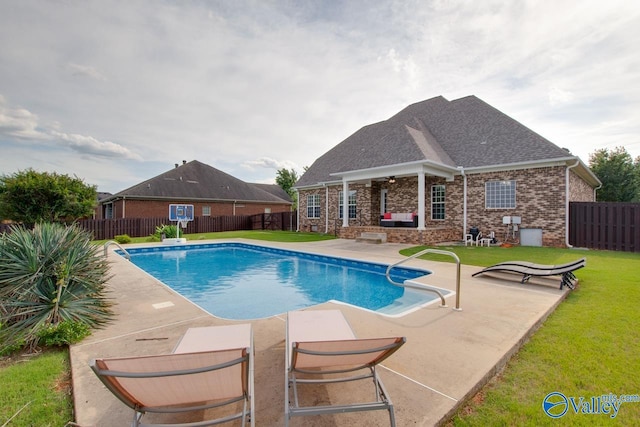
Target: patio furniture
column 399, row 219
column 528, row 270
column 210, row 367
column 320, row 343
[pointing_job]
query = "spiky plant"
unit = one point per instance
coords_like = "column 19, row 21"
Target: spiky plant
column 49, row 275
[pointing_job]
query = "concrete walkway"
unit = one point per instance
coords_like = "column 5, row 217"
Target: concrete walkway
column 448, row 357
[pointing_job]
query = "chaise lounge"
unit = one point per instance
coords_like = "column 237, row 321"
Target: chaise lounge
column 321, row 342
column 529, row 269
column 210, row 367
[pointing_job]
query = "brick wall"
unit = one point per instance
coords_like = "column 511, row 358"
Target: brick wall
column 579, row 190
column 540, row 202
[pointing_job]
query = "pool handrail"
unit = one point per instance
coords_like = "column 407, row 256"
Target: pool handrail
column 425, row 288
column 113, row 242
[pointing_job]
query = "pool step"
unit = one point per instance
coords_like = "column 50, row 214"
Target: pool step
column 372, row 238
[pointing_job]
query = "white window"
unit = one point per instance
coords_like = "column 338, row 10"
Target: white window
column 108, row 211
column 206, row 211
column 500, row 194
column 313, row 206
column 352, row 204
column 437, row 202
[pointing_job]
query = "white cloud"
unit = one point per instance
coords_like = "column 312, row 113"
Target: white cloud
column 85, row 71
column 90, row 146
column 19, row 123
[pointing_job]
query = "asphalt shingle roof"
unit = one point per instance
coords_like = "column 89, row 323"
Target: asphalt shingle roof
column 195, row 180
column 465, row 132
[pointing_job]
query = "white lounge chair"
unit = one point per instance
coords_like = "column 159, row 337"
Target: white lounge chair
column 321, row 342
column 210, row 367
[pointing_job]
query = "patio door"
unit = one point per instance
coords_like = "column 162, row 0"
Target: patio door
column 383, row 201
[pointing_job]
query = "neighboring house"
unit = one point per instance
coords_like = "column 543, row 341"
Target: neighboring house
column 453, row 165
column 211, row 191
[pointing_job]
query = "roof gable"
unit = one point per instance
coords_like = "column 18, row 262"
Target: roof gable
column 465, row 132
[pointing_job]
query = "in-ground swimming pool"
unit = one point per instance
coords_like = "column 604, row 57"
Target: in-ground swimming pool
column 241, row 281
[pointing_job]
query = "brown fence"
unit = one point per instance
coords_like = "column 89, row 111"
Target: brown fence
column 610, row 226
column 103, row 229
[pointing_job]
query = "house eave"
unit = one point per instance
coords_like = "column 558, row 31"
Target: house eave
column 583, row 171
column 399, row 170
column 193, row 199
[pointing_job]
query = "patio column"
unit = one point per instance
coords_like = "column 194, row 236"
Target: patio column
column 345, row 203
column 421, row 198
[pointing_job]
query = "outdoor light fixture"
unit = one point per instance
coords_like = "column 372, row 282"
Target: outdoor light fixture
column 392, row 179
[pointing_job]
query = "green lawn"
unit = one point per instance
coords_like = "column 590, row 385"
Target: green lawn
column 273, row 236
column 589, row 347
column 36, row 390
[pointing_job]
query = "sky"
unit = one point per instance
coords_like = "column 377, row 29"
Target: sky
column 117, row 92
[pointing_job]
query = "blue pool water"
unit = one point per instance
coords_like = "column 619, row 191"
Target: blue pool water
column 241, row 281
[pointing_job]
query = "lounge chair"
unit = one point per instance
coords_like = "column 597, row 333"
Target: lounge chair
column 320, row 343
column 210, row 367
column 529, row 269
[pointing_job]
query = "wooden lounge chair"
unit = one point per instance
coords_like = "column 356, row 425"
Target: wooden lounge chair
column 529, row 269
column 321, row 342
column 210, row 367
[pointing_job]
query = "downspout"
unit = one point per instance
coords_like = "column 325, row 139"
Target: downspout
column 297, row 210
column 595, row 197
column 326, row 208
column 124, row 206
column 464, row 202
column 566, row 208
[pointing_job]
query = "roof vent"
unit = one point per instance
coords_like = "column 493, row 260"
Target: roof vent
column 184, row 162
column 176, row 165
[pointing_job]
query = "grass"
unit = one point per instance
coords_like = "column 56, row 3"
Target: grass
column 36, row 390
column 266, row 235
column 587, row 348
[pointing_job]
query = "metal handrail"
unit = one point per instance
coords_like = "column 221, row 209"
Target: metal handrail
column 113, row 242
column 424, row 288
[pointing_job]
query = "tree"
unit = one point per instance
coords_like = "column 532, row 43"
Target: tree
column 286, row 179
column 618, row 173
column 30, row 197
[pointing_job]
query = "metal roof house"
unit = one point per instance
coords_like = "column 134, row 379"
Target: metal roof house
column 211, row 191
column 451, row 165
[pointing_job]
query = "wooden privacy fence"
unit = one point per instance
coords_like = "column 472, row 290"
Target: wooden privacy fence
column 104, row 229
column 605, row 225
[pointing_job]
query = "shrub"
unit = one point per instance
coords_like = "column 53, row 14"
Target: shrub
column 49, row 275
column 64, row 333
column 122, row 238
column 169, row 231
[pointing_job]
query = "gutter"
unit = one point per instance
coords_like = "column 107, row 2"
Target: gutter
column 566, row 209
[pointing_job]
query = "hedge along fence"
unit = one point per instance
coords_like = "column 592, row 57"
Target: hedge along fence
column 104, row 229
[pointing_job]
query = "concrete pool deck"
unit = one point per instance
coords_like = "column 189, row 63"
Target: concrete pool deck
column 448, row 357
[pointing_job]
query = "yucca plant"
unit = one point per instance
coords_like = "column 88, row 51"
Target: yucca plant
column 49, row 275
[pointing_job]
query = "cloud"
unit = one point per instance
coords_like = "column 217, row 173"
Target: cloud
column 269, row 163
column 19, row 123
column 23, row 124
column 85, row 71
column 90, row 146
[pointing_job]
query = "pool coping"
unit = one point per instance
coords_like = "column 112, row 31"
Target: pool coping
column 448, row 357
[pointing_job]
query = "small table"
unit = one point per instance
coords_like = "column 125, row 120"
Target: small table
column 487, row 240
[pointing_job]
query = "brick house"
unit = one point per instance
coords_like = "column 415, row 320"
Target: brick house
column 453, row 165
column 211, row 192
